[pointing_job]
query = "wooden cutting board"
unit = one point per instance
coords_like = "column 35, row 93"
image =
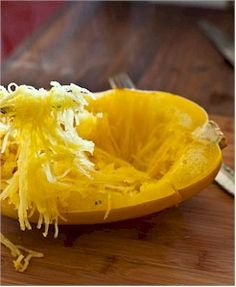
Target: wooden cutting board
column 189, row 245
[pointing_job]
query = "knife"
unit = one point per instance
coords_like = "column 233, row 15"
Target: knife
column 222, row 42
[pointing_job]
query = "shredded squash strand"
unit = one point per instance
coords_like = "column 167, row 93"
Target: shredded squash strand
column 22, row 261
column 42, row 123
column 46, row 153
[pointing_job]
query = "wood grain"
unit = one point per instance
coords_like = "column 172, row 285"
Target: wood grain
column 161, row 47
column 189, row 245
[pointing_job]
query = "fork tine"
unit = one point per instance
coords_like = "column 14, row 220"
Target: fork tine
column 112, row 83
column 127, row 82
column 121, row 81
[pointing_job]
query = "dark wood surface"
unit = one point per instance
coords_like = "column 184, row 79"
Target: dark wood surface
column 161, row 48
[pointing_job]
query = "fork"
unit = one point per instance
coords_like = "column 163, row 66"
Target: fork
column 121, row 81
column 225, row 176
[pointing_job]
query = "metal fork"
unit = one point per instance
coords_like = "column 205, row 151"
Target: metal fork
column 121, row 81
column 225, row 177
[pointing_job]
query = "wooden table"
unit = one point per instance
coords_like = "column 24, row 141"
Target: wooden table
column 161, row 48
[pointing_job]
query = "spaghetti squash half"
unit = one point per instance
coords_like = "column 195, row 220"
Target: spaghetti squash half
column 72, row 157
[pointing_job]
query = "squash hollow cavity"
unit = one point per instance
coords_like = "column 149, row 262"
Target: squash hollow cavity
column 144, row 130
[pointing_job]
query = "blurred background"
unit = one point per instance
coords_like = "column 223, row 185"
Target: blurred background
column 160, row 44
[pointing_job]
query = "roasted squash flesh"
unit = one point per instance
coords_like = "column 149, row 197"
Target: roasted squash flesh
column 152, row 150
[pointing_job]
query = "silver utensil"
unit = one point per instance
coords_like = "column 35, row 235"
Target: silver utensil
column 225, row 177
column 222, row 42
column 121, row 81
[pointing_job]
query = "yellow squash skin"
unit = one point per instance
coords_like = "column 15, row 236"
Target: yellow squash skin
column 180, row 182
